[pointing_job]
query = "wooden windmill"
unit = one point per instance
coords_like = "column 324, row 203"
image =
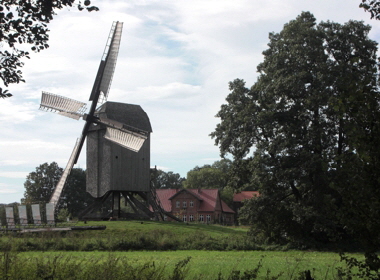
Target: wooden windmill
column 118, row 141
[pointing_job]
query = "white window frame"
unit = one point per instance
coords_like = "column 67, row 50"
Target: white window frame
column 178, row 204
column 184, row 218
column 184, row 204
column 201, row 218
column 191, row 218
column 208, row 218
column 191, row 203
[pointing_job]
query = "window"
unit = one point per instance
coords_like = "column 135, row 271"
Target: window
column 184, row 218
column 177, row 204
column 191, row 218
column 208, row 217
column 184, row 204
column 201, row 218
column 165, row 218
column 191, row 203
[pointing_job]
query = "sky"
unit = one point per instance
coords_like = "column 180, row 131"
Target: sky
column 176, row 59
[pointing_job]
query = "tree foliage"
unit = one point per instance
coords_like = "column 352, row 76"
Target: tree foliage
column 371, row 6
column 40, row 184
column 213, row 176
column 308, row 134
column 216, row 176
column 167, row 180
column 25, row 22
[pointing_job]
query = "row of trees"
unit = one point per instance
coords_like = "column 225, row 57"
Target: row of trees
column 307, row 135
column 40, row 184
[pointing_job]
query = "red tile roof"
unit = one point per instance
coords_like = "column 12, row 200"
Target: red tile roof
column 226, row 208
column 238, row 197
column 207, row 196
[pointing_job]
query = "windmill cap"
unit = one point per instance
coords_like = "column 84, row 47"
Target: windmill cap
column 129, row 114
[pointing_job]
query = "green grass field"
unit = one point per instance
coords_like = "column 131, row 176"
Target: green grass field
column 132, row 227
column 116, row 244
column 208, row 264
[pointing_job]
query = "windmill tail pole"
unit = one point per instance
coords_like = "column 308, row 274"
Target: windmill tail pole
column 62, row 181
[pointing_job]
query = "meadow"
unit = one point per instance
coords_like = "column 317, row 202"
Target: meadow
column 158, row 250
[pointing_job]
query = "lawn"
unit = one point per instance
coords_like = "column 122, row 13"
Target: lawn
column 131, row 245
column 208, row 264
column 134, row 227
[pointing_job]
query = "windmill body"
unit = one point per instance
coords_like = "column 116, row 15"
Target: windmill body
column 118, row 141
column 110, row 166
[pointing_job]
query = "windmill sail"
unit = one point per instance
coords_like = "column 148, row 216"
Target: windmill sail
column 76, row 109
column 62, row 181
column 62, row 105
column 107, row 65
column 128, row 139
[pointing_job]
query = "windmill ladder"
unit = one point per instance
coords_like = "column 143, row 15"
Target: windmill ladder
column 61, row 183
column 158, row 210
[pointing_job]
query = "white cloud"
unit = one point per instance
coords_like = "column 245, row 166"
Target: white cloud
column 14, row 174
column 12, row 162
column 176, row 59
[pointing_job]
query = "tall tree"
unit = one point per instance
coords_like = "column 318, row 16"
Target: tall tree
column 213, row 176
column 40, row 184
column 75, row 198
column 167, row 180
column 25, row 22
column 308, row 130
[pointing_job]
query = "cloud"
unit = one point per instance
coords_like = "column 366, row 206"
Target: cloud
column 16, row 113
column 8, row 191
column 12, row 162
column 14, row 174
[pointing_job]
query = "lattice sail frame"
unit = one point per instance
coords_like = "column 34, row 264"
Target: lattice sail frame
column 61, row 183
column 107, row 64
column 62, row 105
column 128, row 139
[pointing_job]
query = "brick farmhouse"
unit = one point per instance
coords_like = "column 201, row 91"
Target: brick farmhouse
column 196, row 205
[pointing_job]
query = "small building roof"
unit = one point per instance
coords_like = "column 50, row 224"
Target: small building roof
column 208, row 198
column 239, row 197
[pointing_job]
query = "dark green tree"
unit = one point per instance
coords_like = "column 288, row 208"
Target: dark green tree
column 371, row 6
column 167, row 180
column 74, row 196
column 308, row 132
column 40, row 184
column 213, row 176
column 25, row 22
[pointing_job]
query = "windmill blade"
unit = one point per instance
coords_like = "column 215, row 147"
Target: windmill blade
column 103, row 119
column 107, row 65
column 62, row 181
column 62, row 105
column 128, row 139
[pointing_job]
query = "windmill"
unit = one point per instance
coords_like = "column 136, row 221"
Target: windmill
column 118, row 138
